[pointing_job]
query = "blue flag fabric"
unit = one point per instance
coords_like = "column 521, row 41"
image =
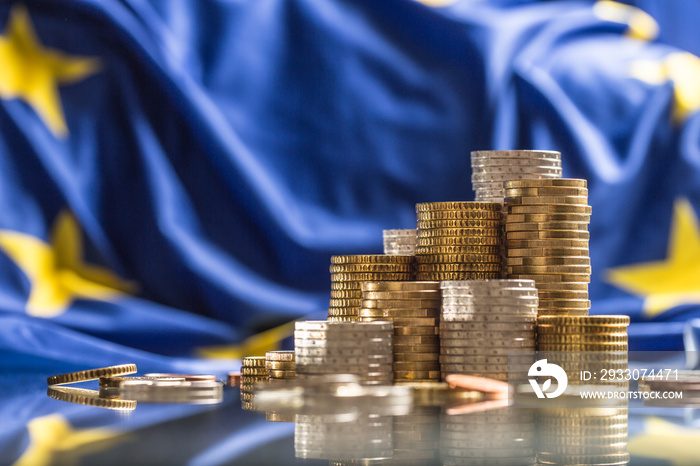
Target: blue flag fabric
column 174, row 176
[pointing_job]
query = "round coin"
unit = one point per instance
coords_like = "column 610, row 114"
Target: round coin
column 371, row 259
column 381, row 295
column 86, row 397
column 390, row 313
column 549, row 191
column 546, row 209
column 481, row 240
column 548, row 269
column 536, row 226
column 491, row 250
column 456, row 205
column 400, row 286
column 595, row 320
column 370, row 276
column 547, row 252
column 545, row 200
column 283, row 374
column 560, row 260
column 91, row 374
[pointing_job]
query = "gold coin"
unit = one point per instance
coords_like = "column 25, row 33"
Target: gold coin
column 370, row 276
column 562, row 286
column 564, row 303
column 345, row 302
column 595, row 320
column 561, row 260
column 554, row 191
column 547, row 200
column 445, row 276
column 436, row 232
column 342, row 311
column 546, row 209
column 549, row 269
column 261, row 371
column 379, row 313
column 544, row 243
column 428, row 330
column 536, row 226
column 416, row 366
column 568, row 294
column 562, row 312
column 458, row 205
column 332, row 318
column 539, row 183
column 526, row 218
column 490, row 250
column 416, row 357
column 374, row 268
column 410, row 349
column 580, row 330
column 597, row 347
column 547, row 252
column 415, row 322
column 437, row 224
column 416, row 340
column 346, row 294
column 417, row 374
column 86, row 397
column 620, row 337
column 281, row 365
column 567, row 278
column 253, row 361
column 283, row 374
column 464, row 267
column 284, row 356
column 401, row 286
column 429, row 294
column 347, row 285
column 471, row 220
column 401, row 303
column 371, row 259
column 457, row 258
column 91, row 374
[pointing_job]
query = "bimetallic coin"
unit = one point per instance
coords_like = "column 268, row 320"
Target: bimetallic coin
column 549, row 191
column 531, row 317
column 400, row 286
column 565, row 303
column 583, row 338
column 332, row 318
column 371, row 259
column 542, row 346
column 341, row 351
column 91, row 374
column 371, row 268
column 547, row 218
column 567, row 294
column 537, row 226
column 523, row 301
column 484, row 351
column 487, row 285
column 545, row 200
column 564, row 182
column 556, row 243
column 411, row 348
column 473, row 359
column 115, row 382
column 466, row 312
column 457, row 258
column 416, row 339
column 440, row 241
column 513, row 343
column 432, row 330
column 322, row 325
column 547, row 209
column 554, row 278
column 415, row 357
column 466, row 368
column 487, row 334
column 370, row 276
column 155, row 391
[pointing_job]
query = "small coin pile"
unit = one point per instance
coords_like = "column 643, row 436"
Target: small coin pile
column 458, row 241
column 582, row 436
column 348, row 273
column 400, row 242
column 491, row 168
column 416, row 436
column 495, row 437
column 482, row 322
column 363, row 349
column 280, row 365
column 253, row 371
column 414, row 308
column 547, row 241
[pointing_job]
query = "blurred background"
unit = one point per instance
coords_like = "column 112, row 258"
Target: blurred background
column 175, row 175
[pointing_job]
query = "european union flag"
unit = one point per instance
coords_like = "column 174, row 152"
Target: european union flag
column 175, row 176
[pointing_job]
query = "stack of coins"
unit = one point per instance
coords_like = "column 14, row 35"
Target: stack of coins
column 400, row 242
column 482, row 322
column 253, row 371
column 582, row 436
column 280, row 365
column 458, row 241
column 547, row 241
column 490, row 168
column 416, row 436
column 585, row 343
column 414, row 308
column 348, row 273
column 497, row 437
column 363, row 349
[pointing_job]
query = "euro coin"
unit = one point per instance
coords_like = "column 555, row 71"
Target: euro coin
column 434, row 374
column 481, row 240
column 563, row 182
column 558, row 243
column 460, row 249
column 86, row 397
column 381, row 295
column 282, row 374
column 400, row 303
column 560, row 260
column 91, row 374
column 391, row 313
column 547, row 218
column 549, row 269
column 548, row 252
column 371, row 259
column 280, row 365
column 546, row 209
column 400, row 286
column 457, row 205
column 595, row 320
column 371, row 268
column 370, row 276
column 546, row 200
column 536, row 226
column 548, row 191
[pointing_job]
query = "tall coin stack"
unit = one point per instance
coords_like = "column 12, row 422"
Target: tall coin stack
column 414, row 308
column 280, row 365
column 581, row 435
column 504, row 436
column 252, row 371
column 491, row 168
column 585, row 343
column 363, row 349
column 400, row 242
column 348, row 273
column 482, row 322
column 458, row 241
column 547, row 241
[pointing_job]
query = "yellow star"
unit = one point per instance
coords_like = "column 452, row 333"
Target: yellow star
column 52, row 434
column 33, row 73
column 56, row 272
column 667, row 442
column 671, row 282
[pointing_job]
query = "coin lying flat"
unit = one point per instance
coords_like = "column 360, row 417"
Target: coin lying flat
column 400, row 286
column 371, row 259
column 92, row 374
column 158, row 391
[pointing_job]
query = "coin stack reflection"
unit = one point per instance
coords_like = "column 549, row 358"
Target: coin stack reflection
column 496, row 437
column 458, row 241
column 416, row 437
column 348, row 273
column 414, row 308
column 547, row 241
column 400, row 242
column 363, row 349
column 582, row 436
column 280, row 365
column 585, row 343
column 253, row 371
column 483, row 322
column 363, row 437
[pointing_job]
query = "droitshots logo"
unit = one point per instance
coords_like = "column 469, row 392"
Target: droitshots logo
column 542, row 368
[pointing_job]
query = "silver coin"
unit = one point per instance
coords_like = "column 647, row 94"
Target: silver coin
column 511, row 162
column 473, row 359
column 461, row 310
column 503, row 318
column 485, row 175
column 361, row 370
column 515, row 153
column 503, row 293
column 343, row 352
column 403, row 232
column 344, row 343
column 516, row 334
column 482, row 351
column 347, row 335
column 483, row 284
column 154, row 391
column 491, row 326
column 490, row 301
column 344, row 360
column 311, row 325
column 519, row 343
